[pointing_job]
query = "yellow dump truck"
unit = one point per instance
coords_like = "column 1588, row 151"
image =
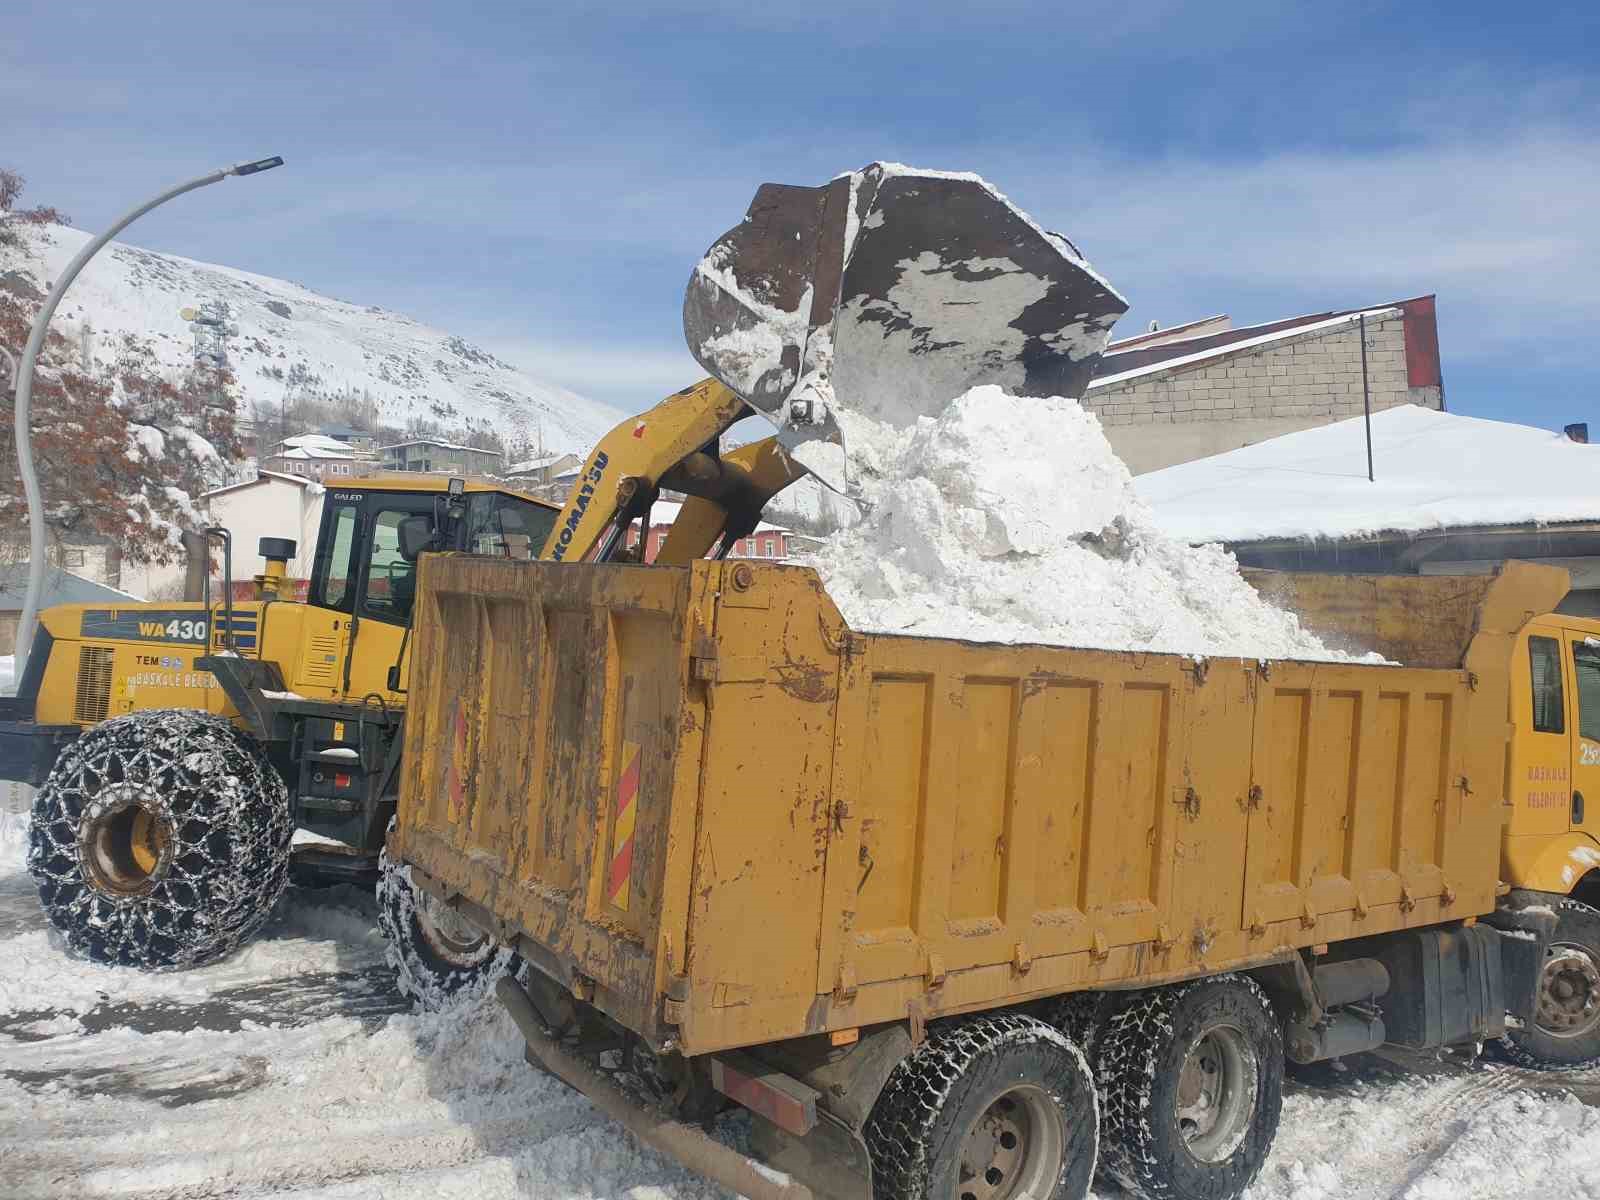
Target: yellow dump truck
column 951, row 919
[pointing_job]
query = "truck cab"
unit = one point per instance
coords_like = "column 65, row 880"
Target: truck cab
column 1552, row 841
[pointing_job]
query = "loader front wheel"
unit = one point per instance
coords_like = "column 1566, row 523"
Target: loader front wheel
column 160, row 840
column 438, row 956
column 1191, row 1077
column 988, row 1108
column 1565, row 1031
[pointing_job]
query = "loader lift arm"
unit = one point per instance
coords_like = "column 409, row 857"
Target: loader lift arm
column 674, row 445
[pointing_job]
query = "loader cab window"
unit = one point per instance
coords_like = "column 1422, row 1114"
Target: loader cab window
column 1544, row 661
column 505, row 526
column 1586, row 674
column 330, row 573
column 390, row 585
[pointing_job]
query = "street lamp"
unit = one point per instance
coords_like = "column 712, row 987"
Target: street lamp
column 24, row 379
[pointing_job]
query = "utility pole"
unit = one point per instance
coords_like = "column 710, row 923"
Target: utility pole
column 24, row 376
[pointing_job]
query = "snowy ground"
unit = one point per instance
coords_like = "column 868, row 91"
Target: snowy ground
column 294, row 1070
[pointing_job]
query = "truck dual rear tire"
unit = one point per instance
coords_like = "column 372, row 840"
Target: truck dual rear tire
column 988, row 1108
column 1565, row 1031
column 438, row 957
column 160, row 840
column 1191, row 1088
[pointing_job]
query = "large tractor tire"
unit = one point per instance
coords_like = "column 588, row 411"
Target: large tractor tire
column 988, row 1108
column 439, row 958
column 160, row 840
column 1565, row 1031
column 1191, row 1080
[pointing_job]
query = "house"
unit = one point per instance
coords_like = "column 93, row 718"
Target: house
column 1176, row 395
column 765, row 541
column 543, row 470
column 60, row 587
column 355, row 439
column 273, row 504
column 1450, row 495
column 441, row 458
column 318, row 457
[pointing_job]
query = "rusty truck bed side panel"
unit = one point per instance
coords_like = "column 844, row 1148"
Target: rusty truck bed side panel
column 865, row 828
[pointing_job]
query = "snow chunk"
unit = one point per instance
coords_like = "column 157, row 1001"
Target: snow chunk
column 1010, row 519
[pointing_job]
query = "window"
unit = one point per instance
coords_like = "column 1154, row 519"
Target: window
column 1544, row 660
column 391, row 579
column 506, row 527
column 333, row 568
column 72, row 558
column 1586, row 672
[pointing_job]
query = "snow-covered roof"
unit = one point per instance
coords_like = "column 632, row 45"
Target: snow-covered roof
column 314, row 441
column 1433, row 470
column 320, row 452
column 264, row 477
column 60, row 587
column 538, row 464
column 1246, row 343
column 439, row 444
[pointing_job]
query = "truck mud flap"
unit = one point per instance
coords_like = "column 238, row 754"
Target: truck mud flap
column 1527, row 922
column 687, row 1143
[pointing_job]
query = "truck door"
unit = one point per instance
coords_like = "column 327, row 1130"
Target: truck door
column 386, row 587
column 1585, row 692
column 1541, row 765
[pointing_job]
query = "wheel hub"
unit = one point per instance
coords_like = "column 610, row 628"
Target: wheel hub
column 1217, row 1094
column 451, row 935
column 1014, row 1150
column 125, row 842
column 1569, row 992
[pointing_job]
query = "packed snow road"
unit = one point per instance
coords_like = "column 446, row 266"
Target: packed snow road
column 293, row 1069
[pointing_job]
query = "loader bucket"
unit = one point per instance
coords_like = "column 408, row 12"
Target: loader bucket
column 885, row 294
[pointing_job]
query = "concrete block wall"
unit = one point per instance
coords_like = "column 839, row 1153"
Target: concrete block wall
column 1243, row 396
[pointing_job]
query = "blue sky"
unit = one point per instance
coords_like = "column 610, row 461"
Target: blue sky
column 541, row 178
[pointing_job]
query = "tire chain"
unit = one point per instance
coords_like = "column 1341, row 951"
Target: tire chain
column 905, row 1113
column 1125, row 1076
column 431, row 985
column 1507, row 1048
column 226, row 811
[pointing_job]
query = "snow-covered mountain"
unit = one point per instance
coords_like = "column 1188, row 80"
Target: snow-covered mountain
column 285, row 331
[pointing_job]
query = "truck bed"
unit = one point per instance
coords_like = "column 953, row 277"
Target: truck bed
column 697, row 798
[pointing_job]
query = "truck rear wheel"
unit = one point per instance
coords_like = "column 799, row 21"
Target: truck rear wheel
column 160, row 840
column 1565, row 1031
column 1191, row 1077
column 990, row 1108
column 438, row 956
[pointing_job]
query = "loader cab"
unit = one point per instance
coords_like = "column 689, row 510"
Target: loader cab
column 364, row 572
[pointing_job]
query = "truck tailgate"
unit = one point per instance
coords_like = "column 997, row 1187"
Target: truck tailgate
column 547, row 701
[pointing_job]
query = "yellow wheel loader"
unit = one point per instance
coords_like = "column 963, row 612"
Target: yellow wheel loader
column 178, row 748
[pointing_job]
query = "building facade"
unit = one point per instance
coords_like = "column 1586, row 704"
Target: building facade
column 1173, row 396
column 440, row 458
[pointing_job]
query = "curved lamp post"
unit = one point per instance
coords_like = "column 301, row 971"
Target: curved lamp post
column 24, row 380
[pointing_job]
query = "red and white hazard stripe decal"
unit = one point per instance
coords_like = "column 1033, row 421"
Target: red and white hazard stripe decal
column 619, row 875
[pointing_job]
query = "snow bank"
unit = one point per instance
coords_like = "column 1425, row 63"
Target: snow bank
column 1434, row 470
column 1010, row 519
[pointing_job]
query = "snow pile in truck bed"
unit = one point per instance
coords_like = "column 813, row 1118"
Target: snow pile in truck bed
column 1010, row 519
